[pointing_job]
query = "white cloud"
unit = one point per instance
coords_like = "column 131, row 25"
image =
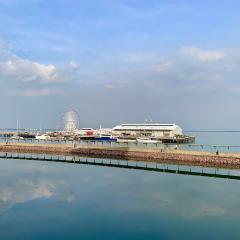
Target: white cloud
column 15, row 68
column 140, row 57
column 148, row 83
column 28, row 71
column 202, row 55
column 39, row 92
column 162, row 66
column 73, row 65
column 110, row 86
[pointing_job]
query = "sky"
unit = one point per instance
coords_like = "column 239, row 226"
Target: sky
column 120, row 61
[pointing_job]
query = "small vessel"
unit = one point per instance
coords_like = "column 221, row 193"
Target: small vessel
column 105, row 137
column 16, row 137
column 42, row 137
column 126, row 140
column 148, row 140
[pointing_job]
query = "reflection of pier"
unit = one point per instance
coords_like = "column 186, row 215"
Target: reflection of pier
column 153, row 167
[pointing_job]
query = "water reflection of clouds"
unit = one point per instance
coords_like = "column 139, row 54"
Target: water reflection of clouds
column 197, row 197
column 27, row 181
column 186, row 197
column 203, row 211
column 23, row 191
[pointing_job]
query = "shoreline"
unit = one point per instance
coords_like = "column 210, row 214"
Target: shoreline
column 181, row 157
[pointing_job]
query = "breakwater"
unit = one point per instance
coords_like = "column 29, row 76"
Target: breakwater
column 231, row 160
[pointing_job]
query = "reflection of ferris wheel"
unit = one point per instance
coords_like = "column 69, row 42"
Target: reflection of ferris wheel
column 70, row 121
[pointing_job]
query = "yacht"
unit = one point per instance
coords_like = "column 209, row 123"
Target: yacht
column 148, row 140
column 105, row 137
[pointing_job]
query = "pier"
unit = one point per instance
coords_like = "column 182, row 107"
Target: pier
column 164, row 146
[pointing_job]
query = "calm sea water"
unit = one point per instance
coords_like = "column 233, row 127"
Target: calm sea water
column 231, row 139
column 44, row 200
column 217, row 138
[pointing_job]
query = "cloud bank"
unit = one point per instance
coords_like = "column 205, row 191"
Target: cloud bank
column 25, row 77
column 202, row 55
column 28, row 71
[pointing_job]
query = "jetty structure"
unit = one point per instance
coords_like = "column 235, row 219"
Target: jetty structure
column 133, row 165
column 147, row 132
column 139, row 142
column 165, row 133
column 142, row 133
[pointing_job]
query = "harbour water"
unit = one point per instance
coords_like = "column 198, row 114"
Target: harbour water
column 51, row 200
column 220, row 139
column 217, row 137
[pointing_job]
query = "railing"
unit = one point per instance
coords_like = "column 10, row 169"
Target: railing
column 197, row 147
column 211, row 147
column 85, row 143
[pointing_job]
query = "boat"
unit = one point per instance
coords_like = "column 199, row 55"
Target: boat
column 148, row 140
column 42, row 137
column 105, row 137
column 16, row 137
column 126, row 140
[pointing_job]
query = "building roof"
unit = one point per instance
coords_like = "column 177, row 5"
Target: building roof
column 147, row 126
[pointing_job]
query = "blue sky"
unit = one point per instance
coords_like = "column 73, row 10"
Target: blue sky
column 120, row 61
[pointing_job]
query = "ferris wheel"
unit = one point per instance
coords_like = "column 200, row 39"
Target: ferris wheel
column 71, row 121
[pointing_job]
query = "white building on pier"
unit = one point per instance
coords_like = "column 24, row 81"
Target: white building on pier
column 148, row 129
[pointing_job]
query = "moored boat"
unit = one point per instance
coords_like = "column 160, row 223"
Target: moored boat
column 148, row 140
column 105, row 137
column 126, row 140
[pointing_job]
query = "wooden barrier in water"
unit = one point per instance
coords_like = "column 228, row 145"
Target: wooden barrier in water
column 144, row 166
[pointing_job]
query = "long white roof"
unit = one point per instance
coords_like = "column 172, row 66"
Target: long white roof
column 147, row 126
